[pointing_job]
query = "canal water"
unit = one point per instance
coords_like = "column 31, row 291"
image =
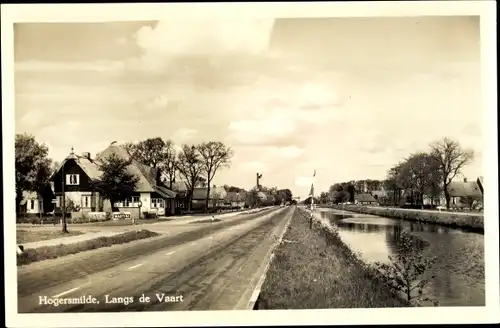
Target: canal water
column 459, row 267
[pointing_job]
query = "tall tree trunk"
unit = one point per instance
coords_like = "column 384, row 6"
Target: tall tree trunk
column 207, row 200
column 447, row 197
column 19, row 198
column 190, row 199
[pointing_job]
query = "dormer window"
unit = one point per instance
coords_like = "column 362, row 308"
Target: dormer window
column 72, row 179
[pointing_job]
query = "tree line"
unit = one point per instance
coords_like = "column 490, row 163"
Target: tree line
column 418, row 176
column 193, row 164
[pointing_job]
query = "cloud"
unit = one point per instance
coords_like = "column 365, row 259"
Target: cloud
column 291, row 151
column 183, row 135
column 262, row 131
column 256, row 166
column 206, row 37
column 303, row 181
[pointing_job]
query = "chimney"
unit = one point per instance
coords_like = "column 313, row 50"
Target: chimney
column 465, row 179
column 86, row 155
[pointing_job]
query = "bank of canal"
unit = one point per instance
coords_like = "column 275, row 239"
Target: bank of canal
column 459, row 269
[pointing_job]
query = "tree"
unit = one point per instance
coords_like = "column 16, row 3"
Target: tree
column 190, row 166
column 393, row 183
column 32, row 167
column 169, row 164
column 451, row 158
column 324, row 198
column 214, row 155
column 418, row 175
column 286, row 195
column 405, row 271
column 115, row 183
column 150, row 151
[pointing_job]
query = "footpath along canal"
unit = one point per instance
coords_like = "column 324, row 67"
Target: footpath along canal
column 459, row 269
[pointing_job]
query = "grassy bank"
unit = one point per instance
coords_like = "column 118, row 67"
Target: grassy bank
column 52, row 252
column 28, row 236
column 469, row 222
column 313, row 269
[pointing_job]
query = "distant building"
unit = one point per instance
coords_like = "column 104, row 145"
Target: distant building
column 365, row 199
column 31, row 203
column 460, row 189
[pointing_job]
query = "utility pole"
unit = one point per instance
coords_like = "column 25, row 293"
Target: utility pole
column 259, row 176
column 63, row 202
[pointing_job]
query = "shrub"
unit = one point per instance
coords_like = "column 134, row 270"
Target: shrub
column 404, row 273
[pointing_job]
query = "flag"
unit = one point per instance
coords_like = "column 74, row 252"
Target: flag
column 311, row 192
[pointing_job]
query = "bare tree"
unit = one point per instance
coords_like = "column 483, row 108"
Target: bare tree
column 451, row 158
column 151, row 152
column 170, row 162
column 190, row 166
column 214, row 155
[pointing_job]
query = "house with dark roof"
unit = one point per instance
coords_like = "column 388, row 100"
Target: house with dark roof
column 217, row 195
column 365, row 199
column 73, row 180
column 462, row 189
column 235, row 199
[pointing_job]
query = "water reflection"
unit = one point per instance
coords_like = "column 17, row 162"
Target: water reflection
column 459, row 269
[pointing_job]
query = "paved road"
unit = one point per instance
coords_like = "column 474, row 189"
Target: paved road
column 214, row 267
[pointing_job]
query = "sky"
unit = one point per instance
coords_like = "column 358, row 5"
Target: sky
column 347, row 97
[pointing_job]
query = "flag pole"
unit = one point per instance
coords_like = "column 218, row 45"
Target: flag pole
column 312, row 201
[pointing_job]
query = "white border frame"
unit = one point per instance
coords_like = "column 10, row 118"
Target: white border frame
column 110, row 12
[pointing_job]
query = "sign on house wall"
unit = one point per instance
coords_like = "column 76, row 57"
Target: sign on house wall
column 121, row 215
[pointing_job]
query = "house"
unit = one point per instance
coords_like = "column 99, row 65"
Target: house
column 217, row 195
column 462, row 189
column 74, row 176
column 31, row 203
column 234, row 200
column 365, row 199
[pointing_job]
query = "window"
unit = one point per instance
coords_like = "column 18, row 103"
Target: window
column 130, row 202
column 32, row 204
column 157, row 202
column 86, row 201
column 58, row 201
column 72, row 179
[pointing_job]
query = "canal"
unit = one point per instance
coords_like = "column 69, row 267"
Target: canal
column 459, row 268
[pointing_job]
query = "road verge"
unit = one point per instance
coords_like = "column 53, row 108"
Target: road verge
column 52, row 252
column 313, row 269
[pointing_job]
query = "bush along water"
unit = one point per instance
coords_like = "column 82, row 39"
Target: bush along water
column 404, row 274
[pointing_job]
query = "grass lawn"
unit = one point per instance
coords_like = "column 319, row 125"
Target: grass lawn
column 52, row 252
column 312, row 269
column 28, row 236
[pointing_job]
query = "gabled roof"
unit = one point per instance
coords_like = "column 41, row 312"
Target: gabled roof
column 233, row 196
column 27, row 195
column 87, row 165
column 165, row 192
column 464, row 189
column 200, row 193
column 145, row 174
column 364, row 198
